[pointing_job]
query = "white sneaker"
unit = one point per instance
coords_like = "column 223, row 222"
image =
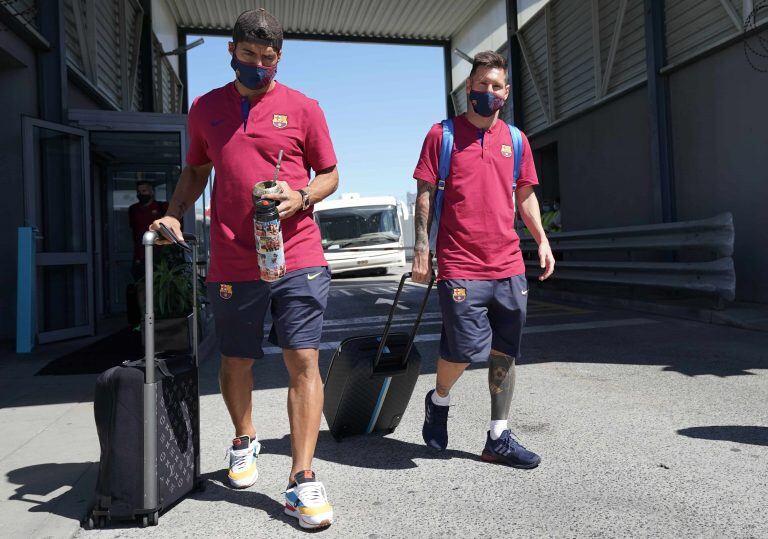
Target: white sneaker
column 308, row 501
column 242, row 462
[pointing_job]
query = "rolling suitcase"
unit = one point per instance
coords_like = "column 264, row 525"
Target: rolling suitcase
column 371, row 378
column 148, row 422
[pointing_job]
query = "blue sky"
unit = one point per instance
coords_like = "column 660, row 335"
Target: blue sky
column 379, row 101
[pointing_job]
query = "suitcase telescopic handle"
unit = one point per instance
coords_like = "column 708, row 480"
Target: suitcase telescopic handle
column 388, row 327
column 149, row 240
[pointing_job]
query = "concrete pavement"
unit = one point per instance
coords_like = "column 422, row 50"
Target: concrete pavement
column 647, row 427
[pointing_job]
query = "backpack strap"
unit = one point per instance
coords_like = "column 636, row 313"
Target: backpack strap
column 517, row 148
column 444, row 169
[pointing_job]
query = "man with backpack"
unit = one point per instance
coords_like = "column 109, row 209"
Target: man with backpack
column 471, row 170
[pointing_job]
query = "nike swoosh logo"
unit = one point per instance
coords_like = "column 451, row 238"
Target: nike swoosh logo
column 310, row 277
column 214, row 123
column 524, row 292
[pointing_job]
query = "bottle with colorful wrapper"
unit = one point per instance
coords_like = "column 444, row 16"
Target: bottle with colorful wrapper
column 269, row 241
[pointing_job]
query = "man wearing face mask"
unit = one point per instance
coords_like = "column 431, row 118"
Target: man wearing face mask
column 239, row 129
column 140, row 216
column 481, row 275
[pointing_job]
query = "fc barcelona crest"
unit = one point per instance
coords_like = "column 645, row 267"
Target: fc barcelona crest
column 280, row 120
column 459, row 294
column 225, row 291
column 506, row 151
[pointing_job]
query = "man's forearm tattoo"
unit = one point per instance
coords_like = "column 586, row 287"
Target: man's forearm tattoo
column 501, row 383
column 423, row 217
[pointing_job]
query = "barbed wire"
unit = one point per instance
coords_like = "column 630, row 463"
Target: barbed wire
column 750, row 24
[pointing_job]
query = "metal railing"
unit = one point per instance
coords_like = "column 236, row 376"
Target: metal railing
column 713, row 237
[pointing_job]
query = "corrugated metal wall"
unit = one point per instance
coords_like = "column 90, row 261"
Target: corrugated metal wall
column 577, row 53
column 535, row 87
column 103, row 39
column 419, row 19
column 696, row 25
column 573, row 81
column 109, row 50
column 573, row 57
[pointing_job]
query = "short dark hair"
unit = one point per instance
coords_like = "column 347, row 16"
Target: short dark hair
column 145, row 182
column 488, row 59
column 258, row 26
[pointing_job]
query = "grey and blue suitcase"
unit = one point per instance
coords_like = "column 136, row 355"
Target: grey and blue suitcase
column 148, row 422
column 371, row 378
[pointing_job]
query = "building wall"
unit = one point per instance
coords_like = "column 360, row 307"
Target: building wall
column 526, row 9
column 603, row 165
column 77, row 99
column 486, row 30
column 720, row 129
column 18, row 95
column 164, row 26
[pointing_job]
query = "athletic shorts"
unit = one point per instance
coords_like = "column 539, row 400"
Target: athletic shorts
column 297, row 304
column 482, row 315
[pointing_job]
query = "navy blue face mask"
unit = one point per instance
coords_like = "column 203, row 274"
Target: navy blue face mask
column 251, row 76
column 485, row 103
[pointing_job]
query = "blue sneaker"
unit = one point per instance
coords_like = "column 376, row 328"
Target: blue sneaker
column 435, row 429
column 507, row 450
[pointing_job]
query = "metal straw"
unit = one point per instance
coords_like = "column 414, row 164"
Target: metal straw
column 277, row 167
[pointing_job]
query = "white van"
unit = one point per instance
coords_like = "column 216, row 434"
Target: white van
column 361, row 232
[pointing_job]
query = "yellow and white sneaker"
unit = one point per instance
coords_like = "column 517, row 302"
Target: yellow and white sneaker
column 242, row 462
column 307, row 500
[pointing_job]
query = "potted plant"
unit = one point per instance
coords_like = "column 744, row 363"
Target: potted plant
column 172, row 287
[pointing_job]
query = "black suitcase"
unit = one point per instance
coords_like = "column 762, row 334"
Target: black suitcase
column 148, row 422
column 371, row 378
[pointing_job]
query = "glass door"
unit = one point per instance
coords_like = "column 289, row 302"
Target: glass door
column 58, row 206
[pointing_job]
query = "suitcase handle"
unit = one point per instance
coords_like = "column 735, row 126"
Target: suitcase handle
column 149, row 239
column 388, row 327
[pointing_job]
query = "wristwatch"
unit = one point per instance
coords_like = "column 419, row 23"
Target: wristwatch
column 304, row 199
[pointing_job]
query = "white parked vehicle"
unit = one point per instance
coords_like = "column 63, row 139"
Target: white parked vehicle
column 361, row 232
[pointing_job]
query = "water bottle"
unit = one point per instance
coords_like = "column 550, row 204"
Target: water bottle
column 269, row 240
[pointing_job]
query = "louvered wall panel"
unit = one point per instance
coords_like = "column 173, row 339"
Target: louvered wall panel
column 133, row 14
column 629, row 66
column 533, row 114
column 109, row 48
column 534, row 36
column 71, row 36
column 693, row 26
column 572, row 58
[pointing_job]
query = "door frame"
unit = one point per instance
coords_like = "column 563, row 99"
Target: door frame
column 31, row 216
column 157, row 122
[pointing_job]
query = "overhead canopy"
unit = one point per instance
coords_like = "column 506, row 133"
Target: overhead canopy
column 379, row 20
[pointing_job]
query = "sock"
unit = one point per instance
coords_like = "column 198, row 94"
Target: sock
column 497, row 427
column 440, row 401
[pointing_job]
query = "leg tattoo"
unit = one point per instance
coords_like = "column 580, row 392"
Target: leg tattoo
column 501, row 382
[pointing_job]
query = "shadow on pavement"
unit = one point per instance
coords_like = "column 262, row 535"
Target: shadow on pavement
column 742, row 434
column 42, row 480
column 217, row 489
column 375, row 452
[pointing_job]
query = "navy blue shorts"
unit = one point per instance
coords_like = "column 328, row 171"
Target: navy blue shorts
column 297, row 304
column 482, row 315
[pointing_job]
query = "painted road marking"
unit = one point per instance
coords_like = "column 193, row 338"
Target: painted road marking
column 554, row 328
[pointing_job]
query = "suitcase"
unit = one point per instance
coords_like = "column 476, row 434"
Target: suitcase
column 371, row 378
column 148, row 422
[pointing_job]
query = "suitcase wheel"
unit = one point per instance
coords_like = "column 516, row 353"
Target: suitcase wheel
column 149, row 519
column 200, row 487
